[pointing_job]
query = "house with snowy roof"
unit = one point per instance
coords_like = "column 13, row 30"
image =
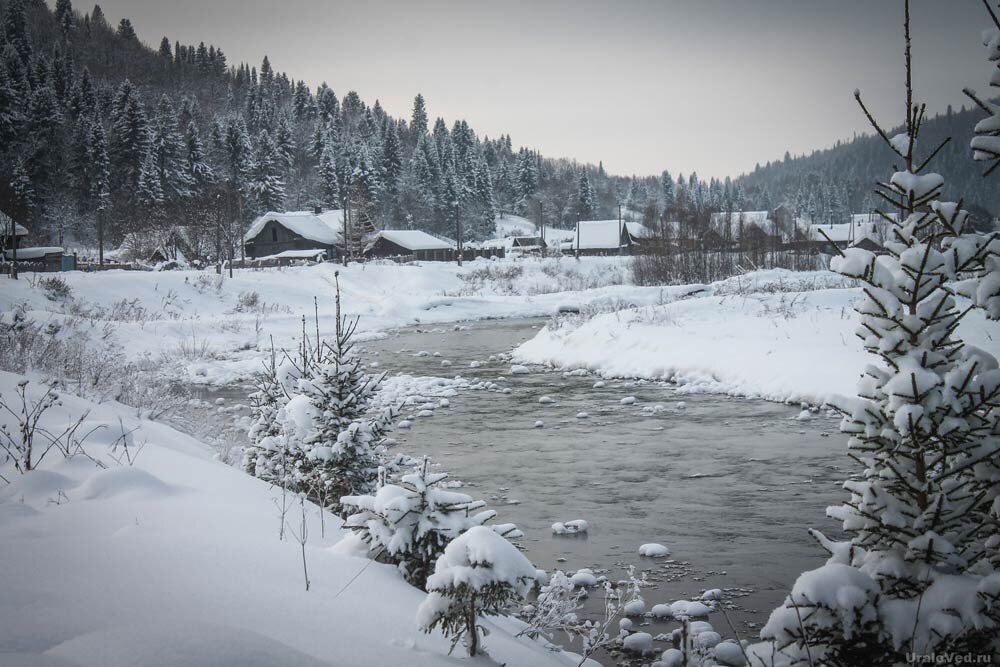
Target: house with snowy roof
column 414, row 243
column 274, row 233
column 606, row 237
column 746, row 229
column 861, row 232
column 12, row 234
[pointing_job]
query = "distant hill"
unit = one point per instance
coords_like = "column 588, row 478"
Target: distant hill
column 840, row 178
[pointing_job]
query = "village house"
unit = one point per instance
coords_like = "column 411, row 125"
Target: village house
column 12, row 235
column 606, row 237
column 274, row 233
column 410, row 243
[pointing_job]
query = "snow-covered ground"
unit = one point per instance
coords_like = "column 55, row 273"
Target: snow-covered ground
column 215, row 329
column 176, row 561
column 775, row 335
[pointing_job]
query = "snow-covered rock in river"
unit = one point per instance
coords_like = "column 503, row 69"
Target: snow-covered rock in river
column 518, row 369
column 546, row 400
column 570, row 527
column 583, row 578
column 653, row 550
column 638, row 642
column 628, row 400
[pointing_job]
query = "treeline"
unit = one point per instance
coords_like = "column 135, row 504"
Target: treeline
column 102, row 136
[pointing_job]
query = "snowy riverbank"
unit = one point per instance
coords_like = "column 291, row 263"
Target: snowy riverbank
column 775, row 335
column 176, row 560
column 205, row 328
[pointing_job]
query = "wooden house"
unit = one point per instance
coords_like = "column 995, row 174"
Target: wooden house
column 410, row 243
column 274, row 233
column 606, row 237
column 12, row 234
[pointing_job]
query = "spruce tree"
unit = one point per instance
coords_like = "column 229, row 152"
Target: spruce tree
column 411, row 522
column 918, row 572
column 265, row 178
column 479, row 573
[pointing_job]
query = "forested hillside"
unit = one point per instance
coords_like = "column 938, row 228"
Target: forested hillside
column 827, row 183
column 102, row 135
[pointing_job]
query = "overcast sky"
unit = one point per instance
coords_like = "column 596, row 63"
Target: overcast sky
column 707, row 85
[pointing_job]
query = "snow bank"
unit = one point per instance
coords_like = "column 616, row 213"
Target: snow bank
column 177, row 561
column 218, row 328
column 744, row 337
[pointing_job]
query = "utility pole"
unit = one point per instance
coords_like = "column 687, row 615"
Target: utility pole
column 458, row 229
column 347, row 227
column 619, row 228
column 541, row 224
column 13, row 249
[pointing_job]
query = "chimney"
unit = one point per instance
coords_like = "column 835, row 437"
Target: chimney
column 317, row 209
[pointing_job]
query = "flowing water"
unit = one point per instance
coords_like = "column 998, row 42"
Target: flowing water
column 729, row 485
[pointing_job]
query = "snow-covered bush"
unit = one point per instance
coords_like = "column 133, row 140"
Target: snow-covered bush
column 411, row 523
column 479, row 573
column 916, row 575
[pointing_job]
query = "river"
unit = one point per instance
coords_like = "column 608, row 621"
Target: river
column 730, row 485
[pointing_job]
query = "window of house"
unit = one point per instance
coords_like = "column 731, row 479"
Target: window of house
column 274, row 233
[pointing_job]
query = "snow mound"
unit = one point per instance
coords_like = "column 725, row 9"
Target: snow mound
column 131, row 481
column 583, row 578
column 653, row 550
column 570, row 527
column 638, row 642
column 180, row 644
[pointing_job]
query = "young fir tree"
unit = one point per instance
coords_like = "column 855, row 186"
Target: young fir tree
column 327, row 440
column 479, row 573
column 918, row 574
column 267, row 399
column 410, row 523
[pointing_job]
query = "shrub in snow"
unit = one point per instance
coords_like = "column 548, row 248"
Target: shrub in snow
column 479, row 573
column 918, row 573
column 410, row 523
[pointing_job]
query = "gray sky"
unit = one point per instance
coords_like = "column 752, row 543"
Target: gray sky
column 707, row 85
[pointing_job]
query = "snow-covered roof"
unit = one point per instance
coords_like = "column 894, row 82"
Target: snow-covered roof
column 296, row 254
column 637, row 230
column 412, row 239
column 599, row 234
column 34, row 253
column 325, row 227
column 843, row 233
column 857, row 218
column 5, row 226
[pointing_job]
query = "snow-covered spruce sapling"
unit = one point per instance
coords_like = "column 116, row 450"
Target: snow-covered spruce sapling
column 265, row 401
column 918, row 574
column 324, row 440
column 479, row 573
column 410, row 523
